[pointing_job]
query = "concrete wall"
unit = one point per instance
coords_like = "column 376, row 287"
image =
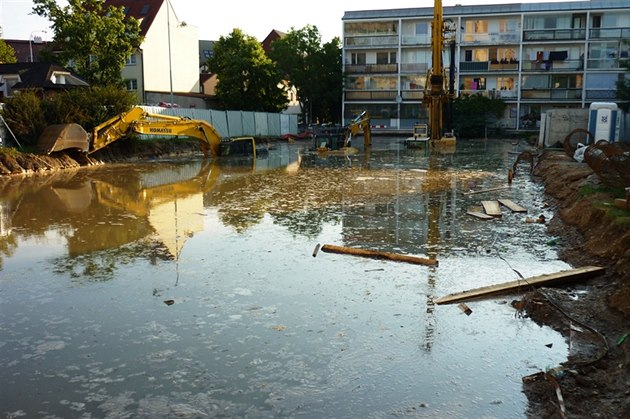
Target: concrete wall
column 558, row 123
column 237, row 123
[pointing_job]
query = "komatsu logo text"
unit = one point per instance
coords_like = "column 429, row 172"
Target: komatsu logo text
column 160, row 130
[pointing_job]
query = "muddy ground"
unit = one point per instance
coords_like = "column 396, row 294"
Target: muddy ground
column 593, row 315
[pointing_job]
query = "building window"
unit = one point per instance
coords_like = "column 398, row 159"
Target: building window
column 358, row 58
column 145, row 9
column 131, row 84
column 385, row 58
column 422, row 28
column 131, row 60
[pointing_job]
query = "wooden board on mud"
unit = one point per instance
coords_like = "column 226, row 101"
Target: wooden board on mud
column 478, row 212
column 492, row 208
column 534, row 281
column 513, row 206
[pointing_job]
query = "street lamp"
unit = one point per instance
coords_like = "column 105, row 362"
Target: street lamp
column 30, row 42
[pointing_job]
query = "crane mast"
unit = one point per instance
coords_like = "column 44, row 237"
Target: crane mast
column 435, row 92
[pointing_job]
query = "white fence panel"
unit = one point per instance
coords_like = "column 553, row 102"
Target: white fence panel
column 249, row 123
column 235, row 123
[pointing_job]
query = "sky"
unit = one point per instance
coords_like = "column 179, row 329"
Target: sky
column 217, row 18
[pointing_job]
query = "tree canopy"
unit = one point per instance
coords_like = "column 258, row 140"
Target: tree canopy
column 7, row 54
column 313, row 69
column 246, row 78
column 473, row 113
column 623, row 87
column 90, row 38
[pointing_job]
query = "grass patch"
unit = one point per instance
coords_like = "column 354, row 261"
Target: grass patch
column 9, row 151
column 590, row 190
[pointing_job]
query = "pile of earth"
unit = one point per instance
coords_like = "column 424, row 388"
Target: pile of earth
column 123, row 150
column 593, row 315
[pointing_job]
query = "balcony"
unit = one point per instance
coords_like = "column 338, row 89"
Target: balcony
column 551, row 94
column 371, row 41
column 492, row 38
column 599, row 94
column 603, row 64
column 495, row 94
column 554, row 35
column 389, row 95
column 553, row 66
column 423, row 40
column 414, row 68
column 412, row 94
column 370, row 68
column 486, row 66
column 609, row 33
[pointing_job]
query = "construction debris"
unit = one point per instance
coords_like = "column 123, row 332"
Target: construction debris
column 316, row 250
column 514, row 207
column 492, row 208
column 486, row 190
column 534, row 281
column 463, row 307
column 329, row 248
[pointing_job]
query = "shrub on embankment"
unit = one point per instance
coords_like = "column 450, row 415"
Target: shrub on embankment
column 28, row 112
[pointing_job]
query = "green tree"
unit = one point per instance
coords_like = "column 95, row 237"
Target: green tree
column 315, row 71
column 473, row 113
column 246, row 78
column 92, row 39
column 7, row 54
column 623, row 86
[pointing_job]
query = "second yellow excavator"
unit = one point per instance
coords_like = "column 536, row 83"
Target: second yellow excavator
column 138, row 121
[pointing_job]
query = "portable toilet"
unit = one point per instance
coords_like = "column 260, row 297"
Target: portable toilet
column 603, row 121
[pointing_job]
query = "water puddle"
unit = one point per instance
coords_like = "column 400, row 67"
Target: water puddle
column 190, row 289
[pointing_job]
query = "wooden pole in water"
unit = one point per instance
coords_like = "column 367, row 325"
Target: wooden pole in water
column 330, row 248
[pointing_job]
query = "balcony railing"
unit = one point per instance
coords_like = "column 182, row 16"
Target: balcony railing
column 371, row 95
column 496, row 94
column 416, row 40
column 603, row 64
column 498, row 38
column 553, row 66
column 416, row 68
column 609, row 33
column 412, row 94
column 370, row 68
column 371, row 41
column 551, row 94
column 484, row 66
column 608, row 94
column 553, row 34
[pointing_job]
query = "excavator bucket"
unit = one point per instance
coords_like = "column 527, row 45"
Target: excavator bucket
column 63, row 137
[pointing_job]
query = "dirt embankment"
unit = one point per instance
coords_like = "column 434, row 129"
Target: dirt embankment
column 593, row 315
column 123, row 150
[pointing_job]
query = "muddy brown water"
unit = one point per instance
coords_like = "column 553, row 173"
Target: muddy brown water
column 189, row 288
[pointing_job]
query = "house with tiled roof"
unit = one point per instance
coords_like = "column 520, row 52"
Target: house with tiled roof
column 166, row 66
column 43, row 77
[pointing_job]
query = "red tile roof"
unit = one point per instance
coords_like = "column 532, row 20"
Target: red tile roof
column 143, row 10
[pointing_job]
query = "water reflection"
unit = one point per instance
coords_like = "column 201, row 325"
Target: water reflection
column 257, row 326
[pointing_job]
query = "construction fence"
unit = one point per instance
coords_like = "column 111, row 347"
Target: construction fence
column 237, row 123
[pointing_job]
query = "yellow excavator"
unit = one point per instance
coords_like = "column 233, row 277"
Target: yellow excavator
column 436, row 95
column 138, row 121
column 361, row 123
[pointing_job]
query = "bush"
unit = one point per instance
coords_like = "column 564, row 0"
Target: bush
column 28, row 115
column 23, row 113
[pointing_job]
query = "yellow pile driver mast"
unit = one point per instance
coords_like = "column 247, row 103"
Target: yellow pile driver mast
column 436, row 95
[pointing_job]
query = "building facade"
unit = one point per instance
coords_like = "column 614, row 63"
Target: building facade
column 534, row 56
column 166, row 66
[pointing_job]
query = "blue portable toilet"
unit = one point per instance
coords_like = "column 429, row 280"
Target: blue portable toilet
column 603, row 121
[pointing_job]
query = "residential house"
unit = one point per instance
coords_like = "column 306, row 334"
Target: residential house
column 166, row 66
column 26, row 51
column 43, row 77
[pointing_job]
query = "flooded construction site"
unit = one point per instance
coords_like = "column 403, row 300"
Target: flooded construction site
column 197, row 288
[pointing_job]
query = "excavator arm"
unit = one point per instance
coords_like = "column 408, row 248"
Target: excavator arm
column 141, row 122
column 359, row 124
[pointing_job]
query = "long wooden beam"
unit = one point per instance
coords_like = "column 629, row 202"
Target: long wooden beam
column 534, row 281
column 375, row 254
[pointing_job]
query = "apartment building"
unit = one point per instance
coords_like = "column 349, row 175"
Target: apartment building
column 534, row 56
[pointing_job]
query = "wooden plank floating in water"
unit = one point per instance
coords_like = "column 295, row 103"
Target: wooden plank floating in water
column 514, row 207
column 479, row 214
column 486, row 190
column 330, row 248
column 534, row 281
column 492, row 208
